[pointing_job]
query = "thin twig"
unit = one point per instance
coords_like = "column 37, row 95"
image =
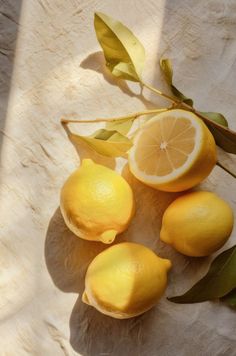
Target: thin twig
column 134, row 116
column 225, row 169
column 168, row 97
column 121, row 118
column 185, row 106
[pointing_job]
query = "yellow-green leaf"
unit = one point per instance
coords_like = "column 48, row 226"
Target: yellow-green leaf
column 167, row 70
column 224, row 137
column 122, row 126
column 216, row 117
column 106, row 143
column 123, row 52
column 218, row 125
column 219, row 280
column 166, row 67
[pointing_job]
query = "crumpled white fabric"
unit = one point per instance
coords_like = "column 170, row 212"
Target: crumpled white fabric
column 58, row 71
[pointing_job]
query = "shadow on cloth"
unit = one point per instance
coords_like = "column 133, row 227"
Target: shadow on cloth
column 67, row 256
column 9, row 25
column 67, row 259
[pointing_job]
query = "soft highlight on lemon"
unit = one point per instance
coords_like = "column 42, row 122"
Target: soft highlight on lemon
column 96, row 202
column 197, row 223
column 125, row 280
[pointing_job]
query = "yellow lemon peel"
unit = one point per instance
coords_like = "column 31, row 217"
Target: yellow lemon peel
column 96, row 202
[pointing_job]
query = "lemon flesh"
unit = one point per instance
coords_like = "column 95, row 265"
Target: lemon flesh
column 173, row 151
column 96, row 202
column 125, row 280
column 197, row 224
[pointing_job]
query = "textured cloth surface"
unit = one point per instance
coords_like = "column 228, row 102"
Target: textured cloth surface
column 51, row 66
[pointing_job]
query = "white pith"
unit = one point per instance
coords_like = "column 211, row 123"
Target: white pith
column 154, row 179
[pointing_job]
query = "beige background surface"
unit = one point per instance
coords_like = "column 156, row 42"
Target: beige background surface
column 50, row 68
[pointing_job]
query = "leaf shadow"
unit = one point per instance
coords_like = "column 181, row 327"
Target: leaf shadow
column 84, row 151
column 96, row 62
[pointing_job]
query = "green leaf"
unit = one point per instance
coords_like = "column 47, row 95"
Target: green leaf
column 122, row 126
column 230, row 299
column 123, row 52
column 167, row 70
column 216, row 117
column 219, row 280
column 181, row 96
column 216, row 122
column 107, row 143
column 224, row 137
column 218, row 125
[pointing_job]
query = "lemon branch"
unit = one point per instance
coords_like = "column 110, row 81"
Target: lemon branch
column 133, row 116
column 175, row 103
column 225, row 169
column 180, row 104
column 166, row 96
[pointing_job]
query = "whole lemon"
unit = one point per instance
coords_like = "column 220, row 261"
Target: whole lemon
column 96, row 202
column 125, row 280
column 197, row 224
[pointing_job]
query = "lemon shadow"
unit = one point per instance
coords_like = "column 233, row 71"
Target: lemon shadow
column 146, row 225
column 67, row 256
column 93, row 333
column 67, row 259
column 150, row 206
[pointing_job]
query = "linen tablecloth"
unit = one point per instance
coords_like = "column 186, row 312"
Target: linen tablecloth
column 51, row 66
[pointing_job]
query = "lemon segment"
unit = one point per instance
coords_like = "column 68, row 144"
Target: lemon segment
column 96, row 202
column 197, row 224
column 173, row 151
column 125, row 280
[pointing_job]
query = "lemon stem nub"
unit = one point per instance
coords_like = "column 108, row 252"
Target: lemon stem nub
column 168, row 264
column 85, row 298
column 108, row 236
column 87, row 162
column 164, row 236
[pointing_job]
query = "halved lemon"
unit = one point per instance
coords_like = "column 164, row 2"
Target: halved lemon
column 173, row 151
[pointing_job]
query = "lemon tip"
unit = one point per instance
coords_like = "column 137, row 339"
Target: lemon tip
column 108, row 236
column 87, row 162
column 164, row 236
column 85, row 298
column 168, row 264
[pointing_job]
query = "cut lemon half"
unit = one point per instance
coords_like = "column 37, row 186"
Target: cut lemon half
column 173, row 151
